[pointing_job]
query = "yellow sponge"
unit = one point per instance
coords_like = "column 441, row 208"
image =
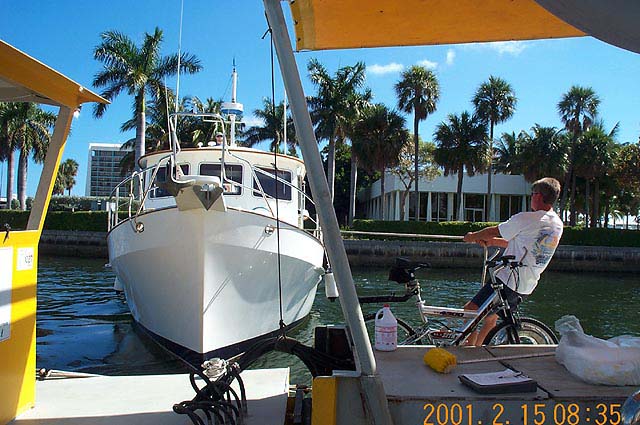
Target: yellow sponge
column 440, row 360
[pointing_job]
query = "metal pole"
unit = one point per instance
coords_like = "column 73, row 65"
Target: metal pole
column 374, row 395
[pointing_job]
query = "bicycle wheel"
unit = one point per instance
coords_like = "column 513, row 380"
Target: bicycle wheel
column 406, row 334
column 531, row 331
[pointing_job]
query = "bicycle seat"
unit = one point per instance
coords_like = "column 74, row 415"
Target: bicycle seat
column 405, row 263
column 403, row 271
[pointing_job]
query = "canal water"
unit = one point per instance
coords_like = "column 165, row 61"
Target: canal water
column 84, row 325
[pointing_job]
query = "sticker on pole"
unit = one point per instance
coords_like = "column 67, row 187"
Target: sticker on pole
column 25, row 259
column 6, row 270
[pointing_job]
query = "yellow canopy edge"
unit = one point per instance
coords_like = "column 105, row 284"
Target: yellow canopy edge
column 25, row 79
column 344, row 24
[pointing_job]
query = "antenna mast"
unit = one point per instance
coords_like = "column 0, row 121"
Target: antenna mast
column 233, row 109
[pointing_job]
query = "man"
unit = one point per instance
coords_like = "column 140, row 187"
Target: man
column 219, row 139
column 532, row 237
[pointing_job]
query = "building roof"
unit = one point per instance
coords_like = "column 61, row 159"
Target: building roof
column 25, row 79
column 325, row 24
column 343, row 24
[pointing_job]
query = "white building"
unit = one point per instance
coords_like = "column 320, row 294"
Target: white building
column 510, row 195
column 103, row 168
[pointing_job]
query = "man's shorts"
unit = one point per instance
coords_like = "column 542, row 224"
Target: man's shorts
column 513, row 298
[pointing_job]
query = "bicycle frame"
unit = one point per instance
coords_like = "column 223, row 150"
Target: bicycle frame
column 494, row 304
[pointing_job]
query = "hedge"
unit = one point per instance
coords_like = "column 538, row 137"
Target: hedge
column 571, row 235
column 91, row 221
column 96, row 221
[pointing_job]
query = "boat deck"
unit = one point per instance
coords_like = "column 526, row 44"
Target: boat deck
column 147, row 399
column 417, row 394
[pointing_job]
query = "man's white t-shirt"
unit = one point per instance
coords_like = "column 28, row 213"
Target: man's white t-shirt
column 533, row 238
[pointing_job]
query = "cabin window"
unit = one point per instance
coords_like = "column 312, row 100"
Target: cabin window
column 232, row 172
column 268, row 184
column 161, row 177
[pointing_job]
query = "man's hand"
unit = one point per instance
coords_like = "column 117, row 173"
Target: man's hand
column 489, row 236
column 469, row 237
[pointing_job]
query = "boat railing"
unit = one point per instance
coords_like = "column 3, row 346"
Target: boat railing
column 113, row 215
column 137, row 180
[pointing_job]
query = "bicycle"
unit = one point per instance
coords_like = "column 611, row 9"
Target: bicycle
column 437, row 322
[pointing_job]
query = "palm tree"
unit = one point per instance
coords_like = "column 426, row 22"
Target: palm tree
column 508, row 153
column 137, row 70
column 382, row 134
column 332, row 108
column 69, row 170
column 461, row 145
column 28, row 129
column 543, row 153
column 272, row 128
column 578, row 109
column 593, row 159
column 495, row 102
column 7, row 147
column 418, row 91
column 359, row 102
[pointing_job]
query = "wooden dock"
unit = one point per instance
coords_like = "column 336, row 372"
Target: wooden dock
column 418, row 394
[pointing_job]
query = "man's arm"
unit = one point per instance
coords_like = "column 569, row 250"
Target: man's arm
column 489, row 236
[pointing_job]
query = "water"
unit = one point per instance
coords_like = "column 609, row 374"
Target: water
column 83, row 325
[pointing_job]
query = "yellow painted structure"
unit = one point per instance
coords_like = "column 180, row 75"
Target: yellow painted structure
column 344, row 24
column 325, row 400
column 24, row 79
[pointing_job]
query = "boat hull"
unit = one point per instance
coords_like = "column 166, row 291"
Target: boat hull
column 208, row 281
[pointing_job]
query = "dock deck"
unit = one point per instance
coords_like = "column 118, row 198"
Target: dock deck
column 417, row 394
column 146, row 399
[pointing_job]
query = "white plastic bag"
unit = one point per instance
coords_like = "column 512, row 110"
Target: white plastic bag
column 615, row 361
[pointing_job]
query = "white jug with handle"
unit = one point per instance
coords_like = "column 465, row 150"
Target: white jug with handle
column 386, row 338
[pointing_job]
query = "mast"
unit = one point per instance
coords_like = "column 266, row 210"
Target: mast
column 233, row 109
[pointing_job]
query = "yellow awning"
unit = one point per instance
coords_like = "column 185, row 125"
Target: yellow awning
column 24, row 79
column 325, row 24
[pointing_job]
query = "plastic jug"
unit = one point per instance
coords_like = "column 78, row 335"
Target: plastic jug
column 386, row 338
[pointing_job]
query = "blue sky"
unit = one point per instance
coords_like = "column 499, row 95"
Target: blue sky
column 63, row 33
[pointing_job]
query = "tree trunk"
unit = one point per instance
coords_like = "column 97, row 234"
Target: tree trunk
column 568, row 177
column 416, row 142
column 487, row 208
column 596, row 203
column 10, row 177
column 403, row 200
column 460, row 211
column 383, row 203
column 572, row 201
column 626, row 226
column 141, row 125
column 331, row 166
column 22, row 179
column 606, row 213
column 352, row 192
column 587, row 195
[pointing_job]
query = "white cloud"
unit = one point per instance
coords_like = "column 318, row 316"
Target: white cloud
column 428, row 64
column 451, row 54
column 513, row 48
column 385, row 69
column 252, row 120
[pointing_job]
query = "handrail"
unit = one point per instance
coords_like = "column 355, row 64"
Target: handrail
column 114, row 219
column 406, row 235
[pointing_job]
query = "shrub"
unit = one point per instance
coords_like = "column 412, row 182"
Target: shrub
column 571, row 235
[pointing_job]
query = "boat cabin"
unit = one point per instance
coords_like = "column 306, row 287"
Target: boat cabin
column 248, row 179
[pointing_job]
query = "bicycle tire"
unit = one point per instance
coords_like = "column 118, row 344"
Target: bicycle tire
column 531, row 331
column 406, row 334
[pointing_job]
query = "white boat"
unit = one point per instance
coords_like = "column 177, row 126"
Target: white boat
column 211, row 257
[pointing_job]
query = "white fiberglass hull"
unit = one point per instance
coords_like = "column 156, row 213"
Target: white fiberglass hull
column 208, row 280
